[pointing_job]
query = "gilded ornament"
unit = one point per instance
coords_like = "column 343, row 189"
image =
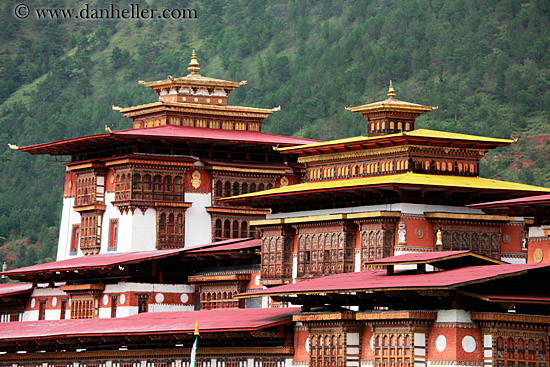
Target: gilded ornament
column 284, row 181
column 419, row 233
column 196, row 179
column 506, row 238
column 219, row 100
column 537, row 255
column 196, row 99
column 70, row 184
column 207, row 100
column 112, row 179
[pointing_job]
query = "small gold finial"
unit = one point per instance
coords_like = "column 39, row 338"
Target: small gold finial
column 391, row 91
column 196, row 328
column 194, row 64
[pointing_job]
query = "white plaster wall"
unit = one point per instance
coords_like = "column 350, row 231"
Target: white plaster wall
column 30, row 315
column 47, row 292
column 404, row 208
column 514, row 260
column 163, row 307
column 149, row 287
column 68, row 218
column 198, row 223
column 144, row 230
column 536, row 231
column 122, row 311
column 453, row 316
column 52, row 314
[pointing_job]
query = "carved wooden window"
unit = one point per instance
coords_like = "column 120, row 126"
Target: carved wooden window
column 142, row 302
column 114, row 301
column 244, row 188
column 89, row 189
column 63, row 310
column 253, row 187
column 113, row 234
column 84, row 308
column 170, row 229
column 393, row 350
column 42, row 309
column 75, row 239
column 520, row 351
column 487, row 244
column 90, row 233
column 327, row 350
column 276, row 257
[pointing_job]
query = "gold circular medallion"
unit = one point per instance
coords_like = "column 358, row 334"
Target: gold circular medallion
column 220, row 100
column 70, row 184
column 419, row 233
column 207, row 100
column 196, row 99
column 284, row 181
column 506, row 238
column 537, row 255
column 184, row 99
column 112, row 179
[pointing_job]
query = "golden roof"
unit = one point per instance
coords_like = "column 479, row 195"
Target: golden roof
column 193, row 79
column 420, row 133
column 407, row 179
column 391, row 104
column 198, row 108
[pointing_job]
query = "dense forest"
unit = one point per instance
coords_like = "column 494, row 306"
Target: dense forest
column 485, row 63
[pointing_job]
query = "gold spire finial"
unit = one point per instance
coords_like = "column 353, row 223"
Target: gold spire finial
column 196, row 328
column 391, row 91
column 194, row 64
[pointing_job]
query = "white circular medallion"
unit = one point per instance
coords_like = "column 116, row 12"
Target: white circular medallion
column 257, row 280
column 440, row 343
column 33, row 302
column 184, row 298
column 307, row 344
column 122, row 299
column 468, row 344
column 372, row 342
column 54, row 301
column 105, row 300
column 159, row 298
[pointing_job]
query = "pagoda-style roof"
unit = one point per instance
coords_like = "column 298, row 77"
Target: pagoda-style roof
column 146, row 327
column 182, row 134
column 380, row 281
column 391, row 104
column 13, row 289
column 195, row 108
column 530, row 206
column 193, row 79
column 411, row 186
column 439, row 259
column 424, row 137
column 110, row 260
column 463, row 283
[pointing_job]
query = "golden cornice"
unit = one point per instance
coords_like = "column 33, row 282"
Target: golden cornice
column 219, row 278
column 148, row 162
column 86, row 165
column 508, row 317
column 333, row 316
column 325, row 218
column 356, row 154
column 200, row 109
column 233, row 210
column 397, row 315
column 247, row 170
column 97, row 207
column 460, row 216
column 408, row 148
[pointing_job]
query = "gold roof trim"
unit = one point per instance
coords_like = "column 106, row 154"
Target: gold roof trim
column 366, row 215
column 196, row 108
column 461, row 216
column 419, row 133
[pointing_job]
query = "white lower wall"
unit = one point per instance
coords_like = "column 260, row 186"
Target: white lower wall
column 68, row 218
column 198, row 222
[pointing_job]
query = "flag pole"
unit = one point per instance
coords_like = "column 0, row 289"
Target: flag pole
column 194, row 350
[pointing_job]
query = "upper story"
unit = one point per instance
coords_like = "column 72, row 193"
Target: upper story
column 158, row 184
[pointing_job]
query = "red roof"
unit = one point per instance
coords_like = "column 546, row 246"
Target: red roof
column 169, row 132
column 152, row 322
column 117, row 258
column 228, row 247
column 11, row 289
column 379, row 280
column 439, row 257
column 536, row 199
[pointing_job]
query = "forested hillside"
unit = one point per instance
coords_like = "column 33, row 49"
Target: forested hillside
column 485, row 64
